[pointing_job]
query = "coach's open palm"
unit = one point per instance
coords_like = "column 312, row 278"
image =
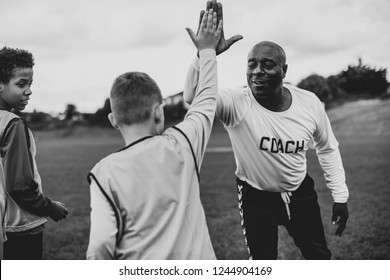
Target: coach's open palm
column 209, row 32
column 223, row 44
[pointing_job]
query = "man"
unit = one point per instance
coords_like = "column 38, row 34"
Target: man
column 270, row 125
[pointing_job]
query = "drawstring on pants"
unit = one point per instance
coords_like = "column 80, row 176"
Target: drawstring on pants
column 286, row 198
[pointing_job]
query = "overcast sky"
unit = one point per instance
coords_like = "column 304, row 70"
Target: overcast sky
column 81, row 46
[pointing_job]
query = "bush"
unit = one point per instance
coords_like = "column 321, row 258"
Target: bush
column 363, row 80
column 318, row 85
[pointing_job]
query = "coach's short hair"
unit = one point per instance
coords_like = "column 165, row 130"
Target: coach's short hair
column 275, row 47
column 132, row 96
column 12, row 59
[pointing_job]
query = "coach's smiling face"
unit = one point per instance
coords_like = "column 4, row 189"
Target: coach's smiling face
column 266, row 70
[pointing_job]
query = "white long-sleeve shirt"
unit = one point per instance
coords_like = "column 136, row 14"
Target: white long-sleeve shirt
column 270, row 147
column 145, row 200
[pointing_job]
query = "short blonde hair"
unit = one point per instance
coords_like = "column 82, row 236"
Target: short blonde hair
column 132, row 97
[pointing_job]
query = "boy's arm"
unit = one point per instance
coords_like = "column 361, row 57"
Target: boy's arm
column 199, row 119
column 191, row 82
column 19, row 174
column 198, row 122
column 230, row 107
column 103, row 229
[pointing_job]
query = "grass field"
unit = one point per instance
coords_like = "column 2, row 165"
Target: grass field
column 362, row 128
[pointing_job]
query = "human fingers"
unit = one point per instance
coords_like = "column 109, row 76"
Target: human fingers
column 215, row 22
column 62, row 204
column 335, row 214
column 219, row 11
column 65, row 211
column 205, row 19
column 200, row 20
column 341, row 226
column 192, row 35
column 209, row 19
column 214, row 5
column 232, row 40
column 342, row 222
column 60, row 209
column 209, row 5
column 340, row 210
column 219, row 29
column 220, row 17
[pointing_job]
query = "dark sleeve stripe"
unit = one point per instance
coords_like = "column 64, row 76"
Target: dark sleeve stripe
column 26, row 128
column 91, row 175
column 192, row 150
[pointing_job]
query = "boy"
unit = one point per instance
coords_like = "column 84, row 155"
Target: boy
column 27, row 207
column 3, row 237
column 145, row 200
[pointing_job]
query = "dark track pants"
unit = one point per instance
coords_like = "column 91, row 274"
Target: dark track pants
column 24, row 247
column 262, row 212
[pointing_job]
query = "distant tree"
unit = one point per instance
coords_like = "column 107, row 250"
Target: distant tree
column 335, row 91
column 316, row 84
column 39, row 117
column 102, row 113
column 364, row 80
column 70, row 112
column 106, row 109
column 37, row 120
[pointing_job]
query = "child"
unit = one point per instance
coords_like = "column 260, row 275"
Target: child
column 3, row 204
column 27, row 207
column 145, row 200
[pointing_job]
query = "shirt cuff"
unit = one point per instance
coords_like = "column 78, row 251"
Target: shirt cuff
column 207, row 53
column 342, row 195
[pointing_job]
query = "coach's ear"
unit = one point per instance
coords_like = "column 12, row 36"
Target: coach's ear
column 113, row 121
column 285, row 67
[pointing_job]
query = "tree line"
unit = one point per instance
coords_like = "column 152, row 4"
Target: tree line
column 356, row 81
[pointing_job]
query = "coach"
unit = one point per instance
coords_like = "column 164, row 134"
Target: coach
column 270, row 125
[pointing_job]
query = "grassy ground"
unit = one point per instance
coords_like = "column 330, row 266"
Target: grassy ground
column 362, row 128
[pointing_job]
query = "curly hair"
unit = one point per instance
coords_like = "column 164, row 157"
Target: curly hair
column 12, row 59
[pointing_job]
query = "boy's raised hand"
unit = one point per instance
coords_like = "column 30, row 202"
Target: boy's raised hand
column 209, row 31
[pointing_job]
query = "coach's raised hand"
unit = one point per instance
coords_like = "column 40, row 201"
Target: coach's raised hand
column 223, row 44
column 209, row 32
